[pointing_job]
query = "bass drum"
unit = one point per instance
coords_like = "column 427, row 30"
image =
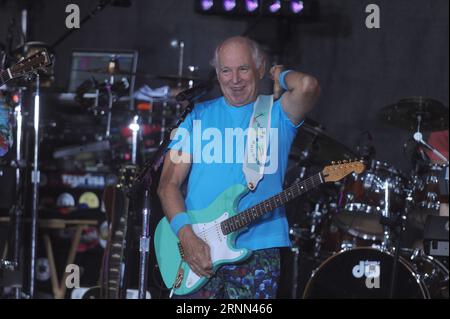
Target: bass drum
column 366, row 273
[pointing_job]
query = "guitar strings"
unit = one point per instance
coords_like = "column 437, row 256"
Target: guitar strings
column 217, row 229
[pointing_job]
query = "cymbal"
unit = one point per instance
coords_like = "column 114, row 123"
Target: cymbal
column 105, row 71
column 167, row 77
column 313, row 146
column 408, row 113
column 174, row 77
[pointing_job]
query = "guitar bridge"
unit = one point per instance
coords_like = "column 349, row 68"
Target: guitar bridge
column 179, row 278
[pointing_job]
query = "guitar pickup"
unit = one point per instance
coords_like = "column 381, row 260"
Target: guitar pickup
column 180, row 249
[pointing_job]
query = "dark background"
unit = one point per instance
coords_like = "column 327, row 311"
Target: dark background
column 360, row 70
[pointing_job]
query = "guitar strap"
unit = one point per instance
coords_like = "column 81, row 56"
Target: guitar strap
column 257, row 141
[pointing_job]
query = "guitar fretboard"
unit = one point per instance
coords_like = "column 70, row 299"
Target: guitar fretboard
column 249, row 215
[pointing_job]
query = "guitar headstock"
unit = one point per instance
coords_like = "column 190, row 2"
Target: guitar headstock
column 127, row 175
column 33, row 63
column 337, row 171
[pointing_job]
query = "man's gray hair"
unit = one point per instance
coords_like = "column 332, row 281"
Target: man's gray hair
column 257, row 53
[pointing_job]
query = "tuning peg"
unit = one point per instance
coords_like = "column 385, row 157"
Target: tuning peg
column 339, row 162
column 344, row 161
column 333, row 162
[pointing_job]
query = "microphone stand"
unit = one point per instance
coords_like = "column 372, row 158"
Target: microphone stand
column 419, row 139
column 144, row 179
column 35, row 192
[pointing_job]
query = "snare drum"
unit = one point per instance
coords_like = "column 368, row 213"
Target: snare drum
column 366, row 273
column 334, row 239
column 365, row 197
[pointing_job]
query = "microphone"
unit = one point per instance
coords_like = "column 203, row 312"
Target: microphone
column 196, row 92
column 418, row 137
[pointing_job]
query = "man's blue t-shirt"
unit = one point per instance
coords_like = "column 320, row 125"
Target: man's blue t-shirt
column 217, row 165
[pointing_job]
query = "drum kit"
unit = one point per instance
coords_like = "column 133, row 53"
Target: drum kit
column 355, row 232
column 352, row 229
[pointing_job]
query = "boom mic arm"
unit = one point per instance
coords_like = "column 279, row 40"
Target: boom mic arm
column 196, row 92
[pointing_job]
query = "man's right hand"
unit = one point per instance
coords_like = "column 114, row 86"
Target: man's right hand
column 196, row 252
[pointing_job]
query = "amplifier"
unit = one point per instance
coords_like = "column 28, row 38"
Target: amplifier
column 435, row 235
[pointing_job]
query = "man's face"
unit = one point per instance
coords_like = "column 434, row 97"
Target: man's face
column 237, row 74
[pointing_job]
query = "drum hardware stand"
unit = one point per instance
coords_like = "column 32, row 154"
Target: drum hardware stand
column 113, row 66
column 179, row 44
column 296, row 250
column 110, row 103
column 180, row 62
column 35, row 193
column 401, row 222
column 16, row 212
column 134, row 127
column 386, row 230
column 317, row 216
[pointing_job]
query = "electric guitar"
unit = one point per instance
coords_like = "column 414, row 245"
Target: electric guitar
column 26, row 66
column 113, row 265
column 220, row 224
column 117, row 204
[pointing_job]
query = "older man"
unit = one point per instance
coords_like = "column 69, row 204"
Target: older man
column 240, row 65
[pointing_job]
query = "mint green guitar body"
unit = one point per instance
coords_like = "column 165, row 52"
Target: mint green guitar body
column 206, row 225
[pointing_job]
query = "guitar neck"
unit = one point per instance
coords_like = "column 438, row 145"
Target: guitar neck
column 251, row 214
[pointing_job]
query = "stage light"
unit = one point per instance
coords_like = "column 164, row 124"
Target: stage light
column 229, row 5
column 275, row 6
column 296, row 10
column 134, row 127
column 207, row 4
column 251, row 5
column 296, row 6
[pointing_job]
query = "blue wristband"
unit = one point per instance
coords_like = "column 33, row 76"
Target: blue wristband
column 282, row 79
column 180, row 220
